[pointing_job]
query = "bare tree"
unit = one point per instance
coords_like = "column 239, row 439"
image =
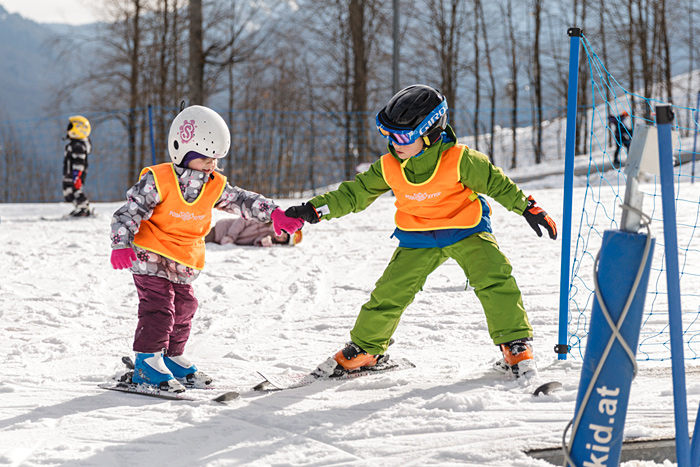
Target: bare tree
column 665, row 48
column 134, row 48
column 478, row 22
column 580, row 10
column 344, row 38
column 479, row 11
column 360, row 55
column 196, row 68
column 446, row 18
column 512, row 66
column 537, row 79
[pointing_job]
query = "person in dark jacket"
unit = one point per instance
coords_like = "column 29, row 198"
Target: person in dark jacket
column 75, row 165
column 623, row 135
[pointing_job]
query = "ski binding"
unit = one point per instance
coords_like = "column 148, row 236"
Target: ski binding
column 297, row 379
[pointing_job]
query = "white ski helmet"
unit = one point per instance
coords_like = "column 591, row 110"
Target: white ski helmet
column 201, row 130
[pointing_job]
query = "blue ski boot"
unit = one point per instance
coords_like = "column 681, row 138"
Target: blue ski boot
column 185, row 372
column 149, row 368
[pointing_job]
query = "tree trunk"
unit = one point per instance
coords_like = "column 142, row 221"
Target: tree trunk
column 477, row 73
column 630, row 50
column 583, row 89
column 666, row 47
column 359, row 82
column 512, row 87
column 538, row 81
column 196, row 68
column 492, row 81
column 134, row 71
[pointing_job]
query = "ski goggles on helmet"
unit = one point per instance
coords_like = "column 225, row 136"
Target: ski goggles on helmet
column 405, row 136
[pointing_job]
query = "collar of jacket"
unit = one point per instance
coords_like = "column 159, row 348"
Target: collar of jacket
column 185, row 173
column 419, row 168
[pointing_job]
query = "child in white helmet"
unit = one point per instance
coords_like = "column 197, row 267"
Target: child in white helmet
column 75, row 165
column 159, row 235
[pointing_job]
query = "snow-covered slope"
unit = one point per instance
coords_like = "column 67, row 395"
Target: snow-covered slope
column 67, row 318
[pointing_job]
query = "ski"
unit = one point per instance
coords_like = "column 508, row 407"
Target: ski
column 68, row 217
column 547, row 388
column 129, row 363
column 145, row 390
column 533, row 384
column 124, row 384
column 297, row 379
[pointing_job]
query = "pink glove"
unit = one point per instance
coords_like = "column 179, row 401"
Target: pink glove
column 122, row 258
column 280, row 222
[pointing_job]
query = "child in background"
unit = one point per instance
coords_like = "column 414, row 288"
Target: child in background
column 623, row 135
column 159, row 235
column 75, row 164
column 240, row 231
column 440, row 214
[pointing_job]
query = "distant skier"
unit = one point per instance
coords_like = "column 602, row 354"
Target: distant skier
column 623, row 135
column 441, row 214
column 75, row 165
column 159, row 235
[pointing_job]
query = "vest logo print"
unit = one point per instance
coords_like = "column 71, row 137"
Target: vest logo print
column 187, row 216
column 423, row 196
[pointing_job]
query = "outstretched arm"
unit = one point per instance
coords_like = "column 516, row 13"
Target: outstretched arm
column 351, row 196
column 477, row 172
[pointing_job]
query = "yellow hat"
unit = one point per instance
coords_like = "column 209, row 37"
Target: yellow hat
column 295, row 238
column 79, row 127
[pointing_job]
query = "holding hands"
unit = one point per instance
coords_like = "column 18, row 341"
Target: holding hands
column 536, row 217
column 282, row 221
column 305, row 211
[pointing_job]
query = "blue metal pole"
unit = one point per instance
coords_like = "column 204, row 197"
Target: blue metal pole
column 664, row 117
column 572, row 103
column 695, row 138
column 153, row 143
column 622, row 275
column 695, row 445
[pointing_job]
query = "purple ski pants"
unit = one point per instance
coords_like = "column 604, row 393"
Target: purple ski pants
column 165, row 315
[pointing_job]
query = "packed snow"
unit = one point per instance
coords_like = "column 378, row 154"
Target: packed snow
column 68, row 317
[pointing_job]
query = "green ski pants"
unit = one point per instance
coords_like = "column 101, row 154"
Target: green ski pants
column 487, row 270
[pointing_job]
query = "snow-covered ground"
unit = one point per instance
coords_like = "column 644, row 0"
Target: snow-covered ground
column 67, row 317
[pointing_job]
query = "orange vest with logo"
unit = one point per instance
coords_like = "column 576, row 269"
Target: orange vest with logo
column 176, row 229
column 441, row 202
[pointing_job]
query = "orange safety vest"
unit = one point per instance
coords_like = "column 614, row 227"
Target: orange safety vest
column 441, row 202
column 176, row 229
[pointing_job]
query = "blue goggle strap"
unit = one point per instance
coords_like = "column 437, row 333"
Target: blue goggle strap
column 408, row 136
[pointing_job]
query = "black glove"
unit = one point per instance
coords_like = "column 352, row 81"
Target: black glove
column 305, row 211
column 536, row 217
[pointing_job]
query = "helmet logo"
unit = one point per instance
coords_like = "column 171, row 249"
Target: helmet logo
column 440, row 111
column 186, row 132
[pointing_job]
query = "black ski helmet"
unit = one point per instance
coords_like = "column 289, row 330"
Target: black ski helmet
column 410, row 108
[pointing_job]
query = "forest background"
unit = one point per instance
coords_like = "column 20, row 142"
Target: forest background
column 276, row 67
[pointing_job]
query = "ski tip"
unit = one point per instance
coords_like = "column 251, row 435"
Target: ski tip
column 261, row 386
column 547, row 388
column 227, row 396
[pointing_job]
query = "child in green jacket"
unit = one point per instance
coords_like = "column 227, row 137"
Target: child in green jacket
column 440, row 214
